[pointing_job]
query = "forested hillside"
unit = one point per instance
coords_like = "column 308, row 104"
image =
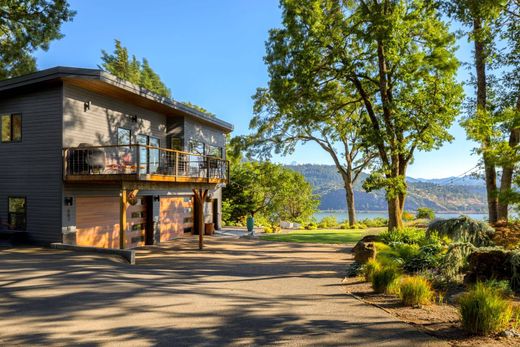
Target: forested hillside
column 448, row 194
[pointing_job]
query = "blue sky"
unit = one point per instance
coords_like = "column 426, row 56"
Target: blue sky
column 211, row 53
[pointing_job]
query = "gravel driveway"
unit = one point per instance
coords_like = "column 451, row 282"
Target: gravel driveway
column 235, row 292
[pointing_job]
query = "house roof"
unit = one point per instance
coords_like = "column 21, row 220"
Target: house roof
column 106, row 83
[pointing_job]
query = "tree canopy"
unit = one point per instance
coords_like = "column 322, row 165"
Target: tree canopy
column 393, row 58
column 25, row 26
column 267, row 190
column 129, row 69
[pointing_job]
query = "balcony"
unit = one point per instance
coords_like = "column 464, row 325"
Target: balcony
column 141, row 163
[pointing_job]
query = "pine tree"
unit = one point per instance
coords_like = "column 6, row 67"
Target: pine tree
column 119, row 64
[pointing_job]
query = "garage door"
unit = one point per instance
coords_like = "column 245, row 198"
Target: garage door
column 97, row 221
column 176, row 217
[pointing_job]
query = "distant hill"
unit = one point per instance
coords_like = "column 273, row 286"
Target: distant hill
column 460, row 194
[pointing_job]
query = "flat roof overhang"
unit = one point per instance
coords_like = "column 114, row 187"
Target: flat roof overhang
column 105, row 83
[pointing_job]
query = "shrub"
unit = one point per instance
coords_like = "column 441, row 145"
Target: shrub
column 383, row 278
column 463, row 229
column 311, row 226
column 328, row 222
column 484, row 311
column 375, row 222
column 415, row 290
column 425, row 213
column 403, row 235
column 359, row 226
column 369, row 268
column 408, row 216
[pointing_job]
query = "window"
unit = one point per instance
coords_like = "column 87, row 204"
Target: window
column 17, row 213
column 215, row 151
column 176, row 143
column 196, row 147
column 123, row 136
column 11, row 125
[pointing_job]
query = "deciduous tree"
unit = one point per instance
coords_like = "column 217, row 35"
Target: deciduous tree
column 394, row 57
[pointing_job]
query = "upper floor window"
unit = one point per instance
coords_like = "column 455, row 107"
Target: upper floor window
column 17, row 213
column 214, row 151
column 196, row 147
column 11, row 125
column 123, row 136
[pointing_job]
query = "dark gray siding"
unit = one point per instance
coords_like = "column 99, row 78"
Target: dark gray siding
column 33, row 167
column 98, row 126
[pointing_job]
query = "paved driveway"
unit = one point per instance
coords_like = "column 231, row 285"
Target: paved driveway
column 236, row 292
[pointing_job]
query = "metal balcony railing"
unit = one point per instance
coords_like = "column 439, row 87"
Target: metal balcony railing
column 141, row 162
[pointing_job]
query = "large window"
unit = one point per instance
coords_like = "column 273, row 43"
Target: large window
column 17, row 209
column 214, row 151
column 123, row 136
column 11, row 125
column 196, row 147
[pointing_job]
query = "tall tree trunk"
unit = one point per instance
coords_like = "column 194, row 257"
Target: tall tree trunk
column 507, row 174
column 395, row 220
column 349, row 188
column 489, row 166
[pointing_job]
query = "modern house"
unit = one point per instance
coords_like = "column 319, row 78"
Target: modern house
column 89, row 159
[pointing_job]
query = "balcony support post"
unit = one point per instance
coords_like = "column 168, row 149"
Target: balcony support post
column 200, row 197
column 122, row 218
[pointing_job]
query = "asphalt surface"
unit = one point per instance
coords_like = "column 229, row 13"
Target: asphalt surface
column 235, row 292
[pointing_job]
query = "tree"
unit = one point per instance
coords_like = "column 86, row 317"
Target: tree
column 493, row 116
column 268, row 189
column 120, row 65
column 199, row 108
column 311, row 112
column 396, row 58
column 28, row 25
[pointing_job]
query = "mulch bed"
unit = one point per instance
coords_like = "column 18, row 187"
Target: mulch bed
column 439, row 320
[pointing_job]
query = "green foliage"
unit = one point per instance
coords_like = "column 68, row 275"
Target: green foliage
column 129, row 69
column 270, row 190
column 326, row 69
column 403, row 235
column 484, row 310
column 353, row 269
column 455, row 260
column 408, row 216
column 199, row 108
column 328, row 222
column 375, row 222
column 369, row 268
column 415, row 290
column 384, row 278
column 425, row 213
column 311, row 226
column 26, row 26
column 463, row 229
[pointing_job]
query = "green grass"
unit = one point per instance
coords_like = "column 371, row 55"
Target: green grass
column 322, row 235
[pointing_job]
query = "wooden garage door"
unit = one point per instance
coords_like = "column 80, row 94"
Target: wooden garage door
column 97, row 221
column 176, row 217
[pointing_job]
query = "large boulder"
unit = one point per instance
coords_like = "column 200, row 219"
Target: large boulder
column 364, row 251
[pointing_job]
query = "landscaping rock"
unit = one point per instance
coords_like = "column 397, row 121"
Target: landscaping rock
column 488, row 264
column 365, row 239
column 363, row 251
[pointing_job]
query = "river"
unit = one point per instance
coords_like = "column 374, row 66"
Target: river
column 360, row 215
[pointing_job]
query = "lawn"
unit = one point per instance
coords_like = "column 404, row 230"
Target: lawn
column 322, row 235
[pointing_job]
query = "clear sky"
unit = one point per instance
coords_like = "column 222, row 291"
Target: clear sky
column 210, row 52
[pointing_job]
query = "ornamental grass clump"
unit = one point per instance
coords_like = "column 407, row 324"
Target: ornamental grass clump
column 415, row 291
column 369, row 268
column 484, row 310
column 384, row 278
